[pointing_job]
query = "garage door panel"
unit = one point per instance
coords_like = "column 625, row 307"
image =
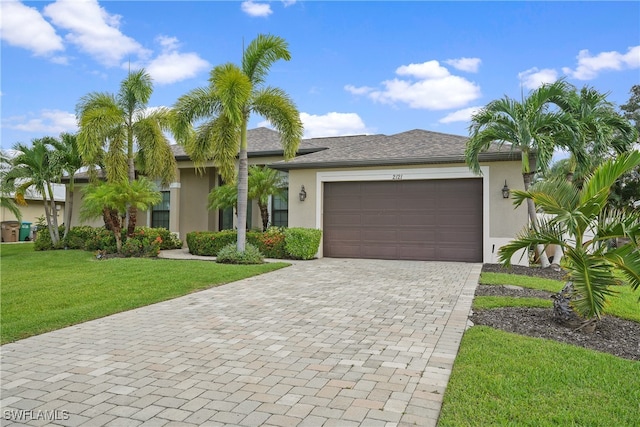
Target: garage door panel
column 422, row 219
column 378, row 220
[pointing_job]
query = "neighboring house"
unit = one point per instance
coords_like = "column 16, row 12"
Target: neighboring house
column 35, row 206
column 403, row 196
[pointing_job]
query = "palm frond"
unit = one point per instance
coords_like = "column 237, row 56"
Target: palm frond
column 598, row 185
column 154, row 157
column 261, row 53
column 592, row 279
column 222, row 197
column 276, row 106
column 627, row 259
column 233, row 89
column 135, row 91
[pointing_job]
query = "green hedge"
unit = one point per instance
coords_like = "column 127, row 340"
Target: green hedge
column 302, row 243
column 278, row 243
column 100, row 239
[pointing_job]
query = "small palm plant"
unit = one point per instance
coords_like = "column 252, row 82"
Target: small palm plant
column 584, row 226
column 112, row 200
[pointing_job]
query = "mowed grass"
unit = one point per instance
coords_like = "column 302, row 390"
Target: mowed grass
column 624, row 304
column 501, row 378
column 44, row 291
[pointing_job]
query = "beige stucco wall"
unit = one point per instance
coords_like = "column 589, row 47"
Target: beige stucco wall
column 30, row 213
column 194, row 189
column 502, row 221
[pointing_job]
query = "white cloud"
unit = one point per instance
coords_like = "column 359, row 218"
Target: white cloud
column 172, row 66
column 429, row 86
column 288, row 3
column 470, row 65
column 590, row 66
column 48, row 121
column 426, row 70
column 94, row 30
column 463, row 115
column 24, row 27
column 363, row 90
column 533, row 78
column 256, row 9
column 332, row 124
column 431, row 94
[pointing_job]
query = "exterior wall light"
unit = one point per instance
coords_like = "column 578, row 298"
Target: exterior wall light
column 303, row 194
column 506, row 192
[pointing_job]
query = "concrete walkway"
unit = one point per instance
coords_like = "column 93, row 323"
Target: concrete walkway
column 329, row 342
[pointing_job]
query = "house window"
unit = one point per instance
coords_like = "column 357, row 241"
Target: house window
column 280, row 211
column 160, row 212
column 280, row 205
column 226, row 216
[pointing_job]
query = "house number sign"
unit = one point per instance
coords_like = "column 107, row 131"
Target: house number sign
column 396, row 177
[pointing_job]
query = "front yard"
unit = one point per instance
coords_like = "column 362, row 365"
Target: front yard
column 44, row 291
column 505, row 378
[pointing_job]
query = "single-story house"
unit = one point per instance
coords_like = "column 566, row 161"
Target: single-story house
column 404, row 196
column 35, row 206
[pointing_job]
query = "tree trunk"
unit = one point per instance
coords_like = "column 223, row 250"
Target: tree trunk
column 133, row 217
column 264, row 213
column 243, row 189
column 47, row 215
column 533, row 217
column 68, row 211
column 113, row 223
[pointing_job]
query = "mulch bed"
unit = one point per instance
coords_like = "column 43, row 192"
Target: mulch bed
column 612, row 335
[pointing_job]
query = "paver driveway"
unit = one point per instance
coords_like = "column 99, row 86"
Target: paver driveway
column 324, row 342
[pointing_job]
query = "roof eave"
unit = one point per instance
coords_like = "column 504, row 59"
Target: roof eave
column 485, row 157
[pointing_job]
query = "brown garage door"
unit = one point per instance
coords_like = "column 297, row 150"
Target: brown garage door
column 435, row 220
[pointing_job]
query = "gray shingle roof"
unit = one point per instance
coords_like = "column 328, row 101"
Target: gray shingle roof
column 260, row 142
column 412, row 147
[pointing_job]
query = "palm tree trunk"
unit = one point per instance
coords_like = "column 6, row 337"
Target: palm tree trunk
column 55, row 232
column 68, row 210
column 264, row 213
column 243, row 189
column 47, row 215
column 533, row 218
column 133, row 217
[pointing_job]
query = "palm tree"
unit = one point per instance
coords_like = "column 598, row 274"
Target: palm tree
column 601, row 130
column 591, row 262
column 128, row 133
column 68, row 158
column 530, row 126
column 264, row 182
column 34, row 167
column 6, row 199
column 117, row 198
column 234, row 92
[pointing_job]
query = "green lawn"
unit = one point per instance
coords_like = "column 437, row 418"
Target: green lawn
column 44, row 291
column 500, row 378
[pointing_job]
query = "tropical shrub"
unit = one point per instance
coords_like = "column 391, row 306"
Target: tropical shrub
column 141, row 245
column 230, row 255
column 209, row 243
column 78, row 236
column 43, row 240
column 302, row 243
column 271, row 243
column 169, row 240
column 591, row 262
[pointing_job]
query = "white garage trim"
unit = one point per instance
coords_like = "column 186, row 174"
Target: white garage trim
column 405, row 175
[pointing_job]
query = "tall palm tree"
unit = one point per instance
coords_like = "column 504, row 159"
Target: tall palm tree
column 117, row 198
column 225, row 106
column 601, row 130
column 591, row 262
column 68, row 158
column 128, row 133
column 7, row 201
column 34, row 167
column 531, row 127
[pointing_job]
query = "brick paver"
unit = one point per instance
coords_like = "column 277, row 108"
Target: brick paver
column 330, row 341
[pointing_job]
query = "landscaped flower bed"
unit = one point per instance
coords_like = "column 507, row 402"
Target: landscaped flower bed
column 278, row 243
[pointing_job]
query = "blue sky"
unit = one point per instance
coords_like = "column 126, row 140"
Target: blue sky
column 356, row 67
